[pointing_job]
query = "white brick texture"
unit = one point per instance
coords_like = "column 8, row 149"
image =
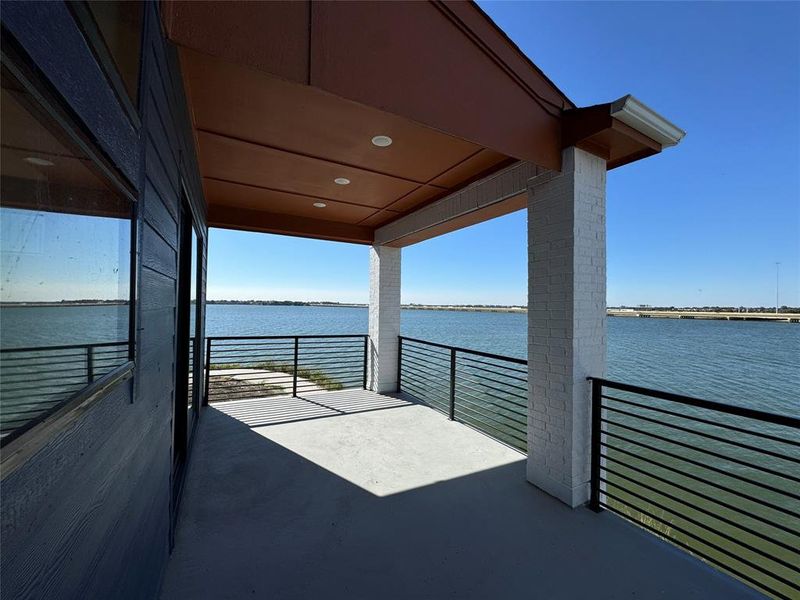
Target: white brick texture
column 384, row 317
column 566, row 320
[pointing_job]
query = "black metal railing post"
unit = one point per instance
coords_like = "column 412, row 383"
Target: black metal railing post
column 208, row 372
column 399, row 364
column 37, row 381
column 485, row 391
column 645, row 468
column 366, row 358
column 90, row 363
column 452, row 411
column 596, row 438
column 294, row 370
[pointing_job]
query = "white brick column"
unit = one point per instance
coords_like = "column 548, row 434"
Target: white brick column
column 566, row 320
column 384, row 317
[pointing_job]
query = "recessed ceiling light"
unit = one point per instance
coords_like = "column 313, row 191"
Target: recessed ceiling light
column 39, row 162
column 381, row 141
column 342, row 181
column 320, row 204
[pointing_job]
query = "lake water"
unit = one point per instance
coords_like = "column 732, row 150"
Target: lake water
column 738, row 362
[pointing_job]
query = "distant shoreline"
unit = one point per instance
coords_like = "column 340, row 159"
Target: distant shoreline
column 787, row 314
column 67, row 303
column 790, row 314
column 465, row 308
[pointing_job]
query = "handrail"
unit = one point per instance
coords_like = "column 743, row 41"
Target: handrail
column 68, row 347
column 454, row 384
column 302, row 363
column 739, row 411
column 519, row 361
column 284, row 337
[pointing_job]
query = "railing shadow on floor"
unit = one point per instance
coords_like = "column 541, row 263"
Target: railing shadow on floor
column 278, row 410
column 259, row 519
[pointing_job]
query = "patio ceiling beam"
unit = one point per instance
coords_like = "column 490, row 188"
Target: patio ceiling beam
column 245, row 219
column 498, row 194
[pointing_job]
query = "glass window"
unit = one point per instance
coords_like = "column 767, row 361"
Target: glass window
column 65, row 260
column 120, row 25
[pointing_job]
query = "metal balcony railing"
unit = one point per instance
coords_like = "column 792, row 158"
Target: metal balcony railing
column 486, row 391
column 239, row 368
column 36, row 381
column 722, row 482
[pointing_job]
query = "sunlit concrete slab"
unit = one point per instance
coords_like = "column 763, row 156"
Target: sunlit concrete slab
column 261, row 412
column 359, row 495
column 346, row 446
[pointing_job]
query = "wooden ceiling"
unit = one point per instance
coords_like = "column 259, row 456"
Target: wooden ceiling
column 277, row 147
column 286, row 97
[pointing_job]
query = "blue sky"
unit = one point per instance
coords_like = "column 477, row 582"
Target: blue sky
column 702, row 223
column 50, row 256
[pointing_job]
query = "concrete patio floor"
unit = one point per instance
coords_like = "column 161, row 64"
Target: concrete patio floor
column 365, row 496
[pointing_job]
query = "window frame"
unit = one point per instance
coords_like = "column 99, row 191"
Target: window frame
column 28, row 439
column 99, row 47
column 197, row 349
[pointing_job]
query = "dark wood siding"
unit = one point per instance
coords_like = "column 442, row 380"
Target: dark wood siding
column 56, row 45
column 88, row 516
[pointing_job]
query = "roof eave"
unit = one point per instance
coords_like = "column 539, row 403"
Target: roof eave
column 645, row 120
column 620, row 132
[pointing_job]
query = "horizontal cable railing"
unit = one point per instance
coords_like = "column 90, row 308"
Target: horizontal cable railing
column 486, row 391
column 239, row 368
column 35, row 381
column 722, row 482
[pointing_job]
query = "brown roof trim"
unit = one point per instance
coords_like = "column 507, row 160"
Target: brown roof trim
column 245, row 219
column 595, row 130
column 569, row 104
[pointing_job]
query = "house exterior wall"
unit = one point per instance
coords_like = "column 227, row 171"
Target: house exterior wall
column 88, row 515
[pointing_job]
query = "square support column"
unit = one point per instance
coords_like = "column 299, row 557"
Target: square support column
column 384, row 317
column 566, row 321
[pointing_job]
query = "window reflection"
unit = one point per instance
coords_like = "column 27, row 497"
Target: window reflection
column 65, row 256
column 120, row 24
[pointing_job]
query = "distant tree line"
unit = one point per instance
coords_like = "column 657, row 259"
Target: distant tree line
column 282, row 303
column 91, row 301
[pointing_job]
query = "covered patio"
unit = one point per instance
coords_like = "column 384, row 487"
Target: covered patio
column 383, row 124
column 387, row 124
column 355, row 494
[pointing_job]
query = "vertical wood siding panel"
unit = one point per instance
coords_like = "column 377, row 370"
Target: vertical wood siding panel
column 157, row 254
column 158, row 217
